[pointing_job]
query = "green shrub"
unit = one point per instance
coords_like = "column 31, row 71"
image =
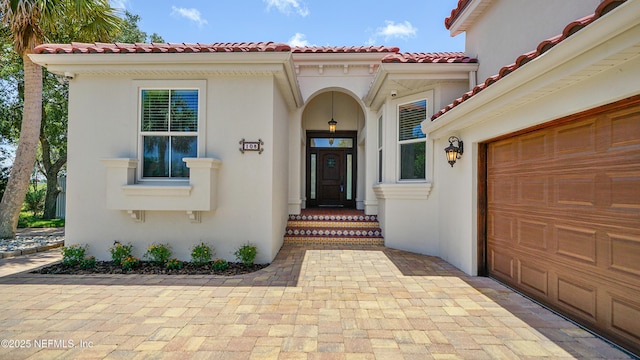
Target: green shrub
column 174, row 264
column 246, row 254
column 120, row 252
column 220, row 265
column 158, row 253
column 130, row 262
column 88, row 263
column 34, row 200
column 73, row 255
column 201, row 254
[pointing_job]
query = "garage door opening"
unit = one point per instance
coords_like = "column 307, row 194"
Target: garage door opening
column 560, row 217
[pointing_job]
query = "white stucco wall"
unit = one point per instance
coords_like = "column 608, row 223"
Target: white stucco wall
column 510, row 28
column 252, row 188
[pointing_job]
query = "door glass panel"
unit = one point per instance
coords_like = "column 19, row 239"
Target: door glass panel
column 349, row 176
column 314, row 161
column 332, row 143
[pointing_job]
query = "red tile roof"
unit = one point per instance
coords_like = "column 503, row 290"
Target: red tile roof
column 441, row 57
column 546, row 45
column 120, row 48
column 345, row 49
column 455, row 13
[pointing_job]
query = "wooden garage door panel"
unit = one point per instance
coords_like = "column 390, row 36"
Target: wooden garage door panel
column 576, row 243
column 624, row 317
column 576, row 139
column 625, row 193
column 563, row 217
column 577, row 296
column 579, row 190
column 534, row 276
column 624, row 127
column 625, row 251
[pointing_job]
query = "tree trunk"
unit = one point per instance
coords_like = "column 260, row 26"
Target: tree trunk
column 14, row 194
column 50, row 171
column 51, row 198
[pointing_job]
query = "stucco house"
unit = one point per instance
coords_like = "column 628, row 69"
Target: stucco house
column 183, row 143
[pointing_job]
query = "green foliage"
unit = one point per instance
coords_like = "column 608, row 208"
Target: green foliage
column 201, row 254
column 120, row 252
column 130, row 262
column 88, row 263
column 158, row 253
column 34, row 200
column 246, row 254
column 220, row 265
column 174, row 264
column 73, row 255
column 131, row 33
column 28, row 221
column 5, row 170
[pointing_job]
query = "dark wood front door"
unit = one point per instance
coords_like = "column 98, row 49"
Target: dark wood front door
column 331, row 169
column 331, row 177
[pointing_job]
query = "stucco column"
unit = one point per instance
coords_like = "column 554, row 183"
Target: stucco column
column 371, row 161
column 296, row 192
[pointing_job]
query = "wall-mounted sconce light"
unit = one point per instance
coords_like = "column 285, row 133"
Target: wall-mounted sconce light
column 453, row 152
column 332, row 123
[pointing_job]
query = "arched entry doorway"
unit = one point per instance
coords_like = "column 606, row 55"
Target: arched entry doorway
column 331, row 159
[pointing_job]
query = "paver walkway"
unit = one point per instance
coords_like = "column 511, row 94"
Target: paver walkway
column 311, row 303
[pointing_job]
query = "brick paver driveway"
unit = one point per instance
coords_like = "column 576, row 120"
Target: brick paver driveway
column 311, row 303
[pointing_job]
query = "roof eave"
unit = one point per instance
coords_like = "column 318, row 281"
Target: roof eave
column 426, row 71
column 468, row 16
column 553, row 69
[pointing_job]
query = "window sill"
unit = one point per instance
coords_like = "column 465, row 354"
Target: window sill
column 198, row 193
column 157, row 190
column 403, row 191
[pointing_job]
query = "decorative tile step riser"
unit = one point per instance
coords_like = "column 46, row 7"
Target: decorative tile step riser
column 304, row 217
column 334, row 224
column 334, row 232
column 332, row 241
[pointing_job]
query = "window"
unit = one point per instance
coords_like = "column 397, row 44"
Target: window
column 412, row 140
column 168, row 130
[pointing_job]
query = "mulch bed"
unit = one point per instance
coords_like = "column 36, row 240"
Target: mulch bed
column 148, row 268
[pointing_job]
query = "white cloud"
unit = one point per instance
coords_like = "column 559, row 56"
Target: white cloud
column 119, row 4
column 299, row 40
column 287, row 6
column 191, row 14
column 391, row 30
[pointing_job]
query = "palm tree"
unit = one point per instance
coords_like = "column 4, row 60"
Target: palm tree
column 29, row 22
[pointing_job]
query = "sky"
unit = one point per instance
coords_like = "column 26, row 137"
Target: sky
column 411, row 25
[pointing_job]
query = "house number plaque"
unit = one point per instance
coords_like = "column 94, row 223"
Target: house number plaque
column 251, row 146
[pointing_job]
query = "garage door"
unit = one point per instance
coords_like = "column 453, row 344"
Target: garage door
column 563, row 218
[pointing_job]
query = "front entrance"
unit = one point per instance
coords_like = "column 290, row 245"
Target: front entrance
column 331, row 169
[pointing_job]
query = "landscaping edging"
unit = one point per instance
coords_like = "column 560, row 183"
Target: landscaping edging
column 31, row 241
column 31, row 250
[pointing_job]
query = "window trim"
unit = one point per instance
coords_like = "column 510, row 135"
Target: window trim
column 201, row 87
column 427, row 97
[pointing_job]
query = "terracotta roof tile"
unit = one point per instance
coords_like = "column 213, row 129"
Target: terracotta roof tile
column 544, row 46
column 455, row 13
column 345, row 49
column 441, row 57
column 120, row 48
